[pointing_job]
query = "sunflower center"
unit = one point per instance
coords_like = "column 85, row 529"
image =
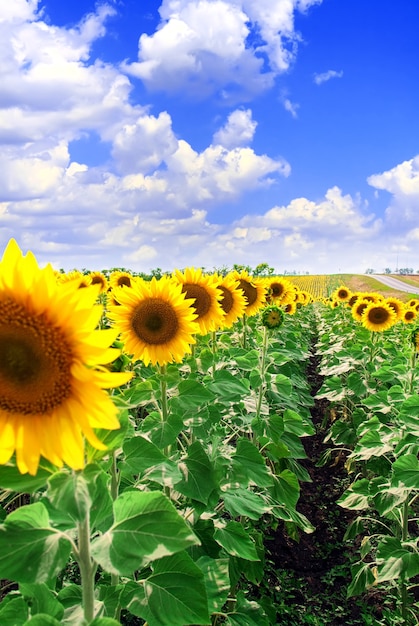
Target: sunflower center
column 227, row 301
column 124, row 280
column 276, row 289
column 250, row 292
column 201, row 296
column 35, row 365
column 378, row 315
column 155, row 321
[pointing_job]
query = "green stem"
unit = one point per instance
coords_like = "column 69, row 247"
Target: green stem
column 114, row 495
column 262, row 371
column 163, row 394
column 87, row 569
column 403, row 582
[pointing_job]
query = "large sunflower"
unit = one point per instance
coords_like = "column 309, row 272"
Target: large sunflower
column 254, row 290
column 51, row 376
column 378, row 316
column 156, row 321
column 280, row 290
column 232, row 301
column 206, row 297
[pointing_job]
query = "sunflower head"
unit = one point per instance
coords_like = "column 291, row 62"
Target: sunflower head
column 98, row 278
column 272, row 317
column 156, row 321
column 254, row 290
column 290, row 308
column 280, row 290
column 120, row 278
column 409, row 315
column 233, row 302
column 205, row 297
column 378, row 316
column 397, row 305
column 52, row 378
column 341, row 294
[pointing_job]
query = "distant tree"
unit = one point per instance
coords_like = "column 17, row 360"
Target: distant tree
column 387, row 270
column 263, row 269
column 405, row 270
column 369, row 271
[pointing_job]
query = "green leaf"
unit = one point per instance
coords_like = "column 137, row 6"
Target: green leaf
column 31, row 551
column 247, row 613
column 396, row 559
column 283, row 385
column 235, row 541
column 362, row 579
column 286, row 489
column 104, row 621
column 199, row 480
column 12, row 479
column 162, row 433
column 248, row 360
column 406, row 471
column 42, row 619
column 13, row 611
column 147, row 527
column 43, row 600
column 174, row 594
column 294, row 423
column 332, row 389
column 243, row 502
column 249, row 465
column 69, row 492
column 356, row 497
column 228, row 387
column 217, row 581
column 140, row 454
column 193, row 394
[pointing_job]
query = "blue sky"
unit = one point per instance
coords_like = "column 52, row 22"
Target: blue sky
column 145, row 134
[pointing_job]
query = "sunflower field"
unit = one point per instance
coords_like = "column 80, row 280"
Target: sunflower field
column 154, row 438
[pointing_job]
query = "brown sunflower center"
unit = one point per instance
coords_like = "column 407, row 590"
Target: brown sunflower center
column 409, row 315
column 378, row 315
column 250, row 292
column 342, row 294
column 155, row 322
column 35, row 364
column 361, row 307
column 201, row 296
column 124, row 281
column 227, row 300
column 277, row 289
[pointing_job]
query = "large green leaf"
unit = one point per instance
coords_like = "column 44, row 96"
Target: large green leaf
column 356, row 497
column 192, row 393
column 406, row 471
column 228, row 387
column 243, row 502
column 217, row 581
column 140, row 454
column 173, row 595
column 13, row 610
column 30, row 550
column 147, row 527
column 162, row 433
column 235, row 541
column 199, row 480
column 70, row 493
column 42, row 599
column 396, row 559
column 247, row 613
column 12, row 479
column 249, row 465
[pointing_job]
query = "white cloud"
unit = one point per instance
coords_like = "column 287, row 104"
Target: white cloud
column 325, row 76
column 202, row 46
column 237, row 131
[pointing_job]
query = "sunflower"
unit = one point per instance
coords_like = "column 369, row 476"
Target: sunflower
column 397, row 305
column 119, row 278
column 82, row 280
column 98, row 278
column 358, row 308
column 272, row 316
column 156, row 321
column 51, row 376
column 414, row 302
column 233, row 302
column 409, row 315
column 280, row 290
column 206, row 297
column 254, row 290
column 378, row 316
column 354, row 298
column 341, row 294
column 290, row 308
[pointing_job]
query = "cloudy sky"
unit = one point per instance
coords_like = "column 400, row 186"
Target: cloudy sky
column 174, row 133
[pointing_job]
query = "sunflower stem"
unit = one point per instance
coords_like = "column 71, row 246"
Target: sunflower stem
column 262, row 371
column 114, row 494
column 87, row 568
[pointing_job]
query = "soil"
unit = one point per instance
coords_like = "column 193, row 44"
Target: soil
column 318, row 564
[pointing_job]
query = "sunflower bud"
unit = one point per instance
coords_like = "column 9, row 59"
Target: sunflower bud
column 272, row 317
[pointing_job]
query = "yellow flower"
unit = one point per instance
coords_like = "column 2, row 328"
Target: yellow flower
column 156, row 321
column 378, row 316
column 409, row 315
column 397, row 305
column 52, row 378
column 341, row 294
column 358, row 308
column 290, row 308
column 206, row 297
column 254, row 290
column 233, row 302
column 280, row 290
column 98, row 278
column 119, row 278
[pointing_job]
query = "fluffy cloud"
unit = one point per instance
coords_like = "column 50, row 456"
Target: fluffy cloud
column 237, row 131
column 325, row 76
column 203, row 46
